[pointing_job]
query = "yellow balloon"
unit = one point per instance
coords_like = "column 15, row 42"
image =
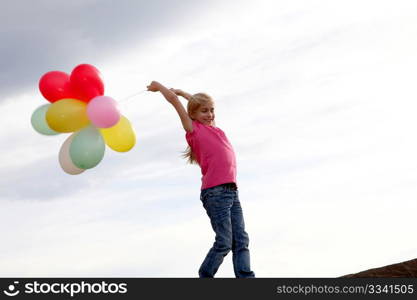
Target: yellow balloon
column 67, row 115
column 121, row 137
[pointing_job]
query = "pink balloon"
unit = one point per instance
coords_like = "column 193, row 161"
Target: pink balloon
column 103, row 112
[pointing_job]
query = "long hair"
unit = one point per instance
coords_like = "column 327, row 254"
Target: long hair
column 194, row 103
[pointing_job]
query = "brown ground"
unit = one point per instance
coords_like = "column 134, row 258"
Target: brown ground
column 403, row 269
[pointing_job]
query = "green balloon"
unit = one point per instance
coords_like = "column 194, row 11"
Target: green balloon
column 39, row 123
column 87, row 148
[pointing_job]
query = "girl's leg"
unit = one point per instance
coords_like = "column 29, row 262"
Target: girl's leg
column 217, row 203
column 240, row 244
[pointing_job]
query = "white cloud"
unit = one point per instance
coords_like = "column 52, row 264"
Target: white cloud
column 318, row 100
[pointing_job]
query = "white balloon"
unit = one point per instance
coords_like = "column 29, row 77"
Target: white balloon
column 65, row 160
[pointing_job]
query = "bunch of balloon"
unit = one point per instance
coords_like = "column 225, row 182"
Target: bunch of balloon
column 78, row 106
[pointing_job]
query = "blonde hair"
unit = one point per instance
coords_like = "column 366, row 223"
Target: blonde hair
column 194, row 103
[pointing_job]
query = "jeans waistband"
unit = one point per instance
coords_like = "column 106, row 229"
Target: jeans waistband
column 230, row 185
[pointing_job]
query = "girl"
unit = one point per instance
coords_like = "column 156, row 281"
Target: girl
column 210, row 148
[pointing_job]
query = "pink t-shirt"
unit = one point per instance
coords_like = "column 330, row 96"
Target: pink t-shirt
column 214, row 154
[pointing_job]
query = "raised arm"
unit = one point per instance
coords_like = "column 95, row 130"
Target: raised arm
column 182, row 93
column 172, row 98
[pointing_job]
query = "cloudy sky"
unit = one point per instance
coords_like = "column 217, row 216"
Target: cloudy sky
column 317, row 97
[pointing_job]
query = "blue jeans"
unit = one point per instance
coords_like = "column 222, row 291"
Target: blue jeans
column 223, row 208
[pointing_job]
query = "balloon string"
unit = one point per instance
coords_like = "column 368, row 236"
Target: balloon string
column 131, row 96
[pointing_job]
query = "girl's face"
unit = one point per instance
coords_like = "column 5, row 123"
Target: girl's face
column 205, row 114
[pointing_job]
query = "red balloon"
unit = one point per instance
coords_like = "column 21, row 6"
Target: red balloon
column 55, row 85
column 87, row 82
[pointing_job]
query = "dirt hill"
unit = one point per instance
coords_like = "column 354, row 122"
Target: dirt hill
column 403, row 269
